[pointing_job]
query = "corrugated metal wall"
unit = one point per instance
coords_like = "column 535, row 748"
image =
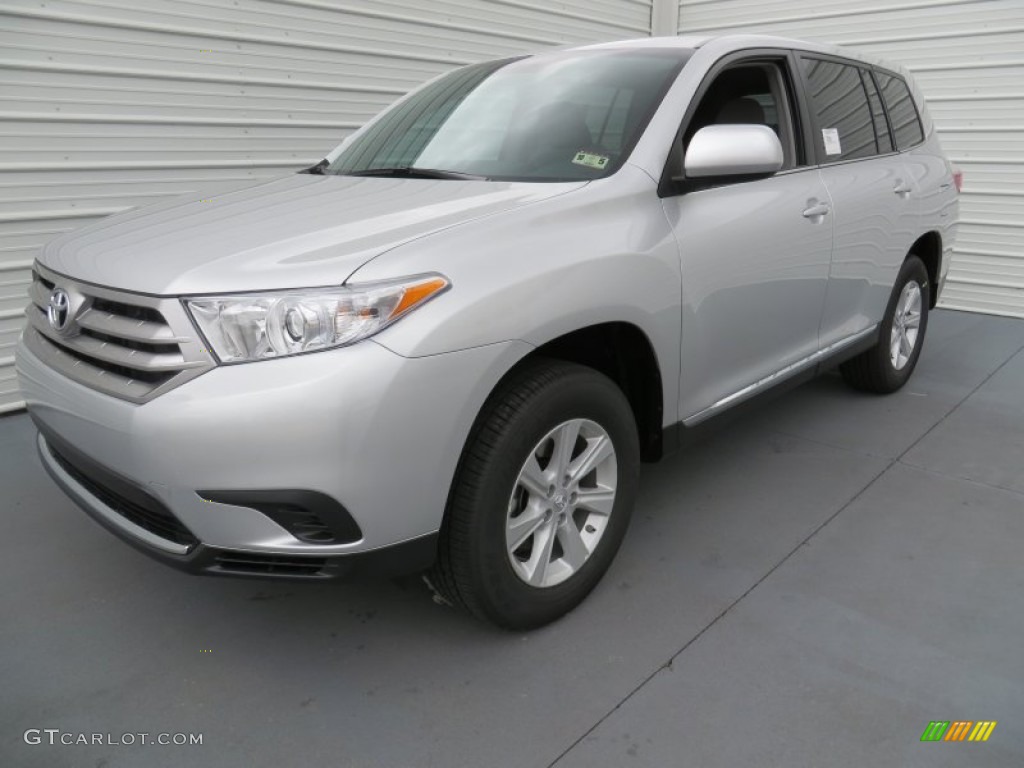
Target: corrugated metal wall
column 112, row 104
column 968, row 57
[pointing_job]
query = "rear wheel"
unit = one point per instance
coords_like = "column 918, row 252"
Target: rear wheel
column 542, row 497
column 887, row 366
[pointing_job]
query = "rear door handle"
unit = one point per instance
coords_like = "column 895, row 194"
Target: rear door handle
column 816, row 211
column 902, row 188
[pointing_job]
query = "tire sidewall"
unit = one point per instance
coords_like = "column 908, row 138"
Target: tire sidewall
column 582, row 394
column 913, row 269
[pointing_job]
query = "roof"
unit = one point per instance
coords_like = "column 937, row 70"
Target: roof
column 737, row 42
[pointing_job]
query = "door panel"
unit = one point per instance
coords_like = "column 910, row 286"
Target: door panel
column 754, row 273
column 874, row 211
column 873, row 194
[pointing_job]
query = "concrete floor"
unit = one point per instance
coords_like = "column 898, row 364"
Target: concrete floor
column 810, row 587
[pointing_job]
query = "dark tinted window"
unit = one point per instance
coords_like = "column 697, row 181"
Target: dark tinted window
column 906, row 123
column 845, row 127
column 884, row 140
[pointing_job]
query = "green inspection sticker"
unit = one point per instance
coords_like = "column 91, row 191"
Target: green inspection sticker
column 591, row 160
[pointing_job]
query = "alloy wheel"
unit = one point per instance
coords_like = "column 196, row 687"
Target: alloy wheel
column 561, row 503
column 906, row 323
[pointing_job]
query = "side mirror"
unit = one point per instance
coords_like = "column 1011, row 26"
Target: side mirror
column 733, row 150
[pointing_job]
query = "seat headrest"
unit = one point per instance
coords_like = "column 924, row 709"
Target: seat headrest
column 741, row 111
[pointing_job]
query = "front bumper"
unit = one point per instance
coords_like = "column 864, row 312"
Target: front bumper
column 174, row 545
column 378, row 433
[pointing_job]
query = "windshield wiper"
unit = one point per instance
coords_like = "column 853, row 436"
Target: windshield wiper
column 412, row 172
column 319, row 169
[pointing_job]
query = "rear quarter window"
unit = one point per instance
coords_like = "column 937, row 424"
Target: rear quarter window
column 906, row 122
column 877, row 113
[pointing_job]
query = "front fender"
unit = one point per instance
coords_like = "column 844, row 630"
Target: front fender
column 603, row 253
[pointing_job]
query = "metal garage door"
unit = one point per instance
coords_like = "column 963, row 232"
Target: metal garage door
column 968, row 57
column 111, row 104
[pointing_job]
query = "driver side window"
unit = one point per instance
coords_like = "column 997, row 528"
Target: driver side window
column 754, row 93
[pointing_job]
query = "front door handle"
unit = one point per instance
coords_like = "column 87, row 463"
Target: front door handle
column 817, row 211
column 902, row 188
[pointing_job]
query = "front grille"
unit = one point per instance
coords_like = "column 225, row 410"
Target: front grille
column 270, row 565
column 150, row 514
column 126, row 345
column 156, row 378
column 133, row 311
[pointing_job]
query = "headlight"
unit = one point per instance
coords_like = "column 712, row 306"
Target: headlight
column 262, row 325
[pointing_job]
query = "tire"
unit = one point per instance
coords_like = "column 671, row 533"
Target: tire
column 880, row 369
column 495, row 499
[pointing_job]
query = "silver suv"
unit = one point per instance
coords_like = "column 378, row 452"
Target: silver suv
column 449, row 345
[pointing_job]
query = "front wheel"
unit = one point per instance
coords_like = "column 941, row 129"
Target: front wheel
column 887, row 366
column 542, row 497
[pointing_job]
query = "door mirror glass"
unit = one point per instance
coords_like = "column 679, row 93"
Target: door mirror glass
column 733, row 150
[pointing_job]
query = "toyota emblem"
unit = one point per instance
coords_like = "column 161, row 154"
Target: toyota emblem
column 59, row 310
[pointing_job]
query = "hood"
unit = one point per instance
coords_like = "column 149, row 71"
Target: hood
column 300, row 231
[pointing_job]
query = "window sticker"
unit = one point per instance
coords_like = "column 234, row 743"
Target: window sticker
column 591, row 160
column 831, row 138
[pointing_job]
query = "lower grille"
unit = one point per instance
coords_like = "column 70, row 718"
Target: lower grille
column 152, row 516
column 270, row 565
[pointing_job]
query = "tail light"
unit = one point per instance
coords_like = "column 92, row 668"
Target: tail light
column 958, row 178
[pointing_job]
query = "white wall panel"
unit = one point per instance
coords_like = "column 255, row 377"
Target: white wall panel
column 968, row 58
column 111, row 104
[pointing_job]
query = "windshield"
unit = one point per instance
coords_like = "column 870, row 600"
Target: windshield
column 557, row 117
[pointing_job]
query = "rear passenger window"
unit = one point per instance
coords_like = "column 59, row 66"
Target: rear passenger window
column 845, row 125
column 884, row 139
column 906, row 123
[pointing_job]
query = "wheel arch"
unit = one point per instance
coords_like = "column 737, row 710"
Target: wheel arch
column 623, row 353
column 928, row 248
